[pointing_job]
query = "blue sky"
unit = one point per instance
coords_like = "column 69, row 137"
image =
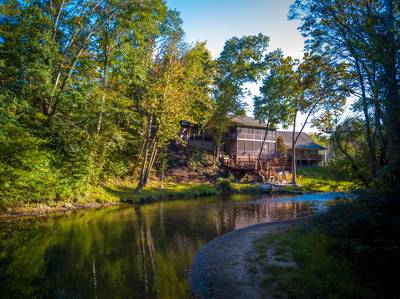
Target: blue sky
column 215, row 21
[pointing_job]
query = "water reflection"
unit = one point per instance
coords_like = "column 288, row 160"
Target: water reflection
column 125, row 252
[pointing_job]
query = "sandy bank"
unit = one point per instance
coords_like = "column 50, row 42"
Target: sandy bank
column 221, row 268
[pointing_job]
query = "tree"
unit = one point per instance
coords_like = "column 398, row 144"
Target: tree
column 305, row 88
column 281, row 149
column 271, row 107
column 179, row 82
column 241, row 61
column 348, row 144
column 365, row 35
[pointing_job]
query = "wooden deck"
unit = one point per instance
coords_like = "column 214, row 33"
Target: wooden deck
column 254, row 164
column 272, row 170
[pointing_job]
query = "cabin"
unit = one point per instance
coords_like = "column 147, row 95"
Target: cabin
column 243, row 141
column 308, row 153
column 245, row 137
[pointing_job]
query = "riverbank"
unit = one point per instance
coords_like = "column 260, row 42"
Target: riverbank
column 115, row 194
column 350, row 251
column 225, row 267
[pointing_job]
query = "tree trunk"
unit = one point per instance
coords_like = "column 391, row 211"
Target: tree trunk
column 259, row 162
column 142, row 172
column 392, row 105
column 365, row 105
column 148, row 162
column 217, row 152
column 162, row 172
column 294, row 170
column 107, row 56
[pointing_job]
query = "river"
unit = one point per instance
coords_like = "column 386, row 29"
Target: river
column 129, row 251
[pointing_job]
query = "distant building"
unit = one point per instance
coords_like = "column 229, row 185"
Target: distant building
column 308, row 153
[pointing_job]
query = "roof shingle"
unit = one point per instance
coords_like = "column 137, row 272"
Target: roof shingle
column 247, row 121
column 303, row 142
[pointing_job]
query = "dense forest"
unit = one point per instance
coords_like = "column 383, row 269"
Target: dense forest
column 94, row 90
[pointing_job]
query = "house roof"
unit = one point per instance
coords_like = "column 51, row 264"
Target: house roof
column 247, row 121
column 303, row 142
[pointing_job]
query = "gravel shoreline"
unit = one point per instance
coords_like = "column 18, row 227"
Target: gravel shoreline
column 220, row 269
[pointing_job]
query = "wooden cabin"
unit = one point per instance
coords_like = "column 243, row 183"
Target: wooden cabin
column 245, row 138
column 243, row 141
column 308, row 153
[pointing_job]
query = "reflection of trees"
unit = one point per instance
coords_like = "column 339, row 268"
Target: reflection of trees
column 141, row 251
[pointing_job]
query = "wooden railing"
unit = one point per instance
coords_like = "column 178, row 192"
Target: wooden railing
column 248, row 164
column 241, row 164
column 316, row 157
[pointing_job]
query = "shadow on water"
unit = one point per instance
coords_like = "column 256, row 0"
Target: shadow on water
column 141, row 251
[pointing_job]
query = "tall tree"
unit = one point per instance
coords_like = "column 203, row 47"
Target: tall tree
column 179, row 81
column 241, row 61
column 272, row 106
column 305, row 88
column 366, row 35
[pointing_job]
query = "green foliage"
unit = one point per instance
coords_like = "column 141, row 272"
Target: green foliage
column 25, row 168
column 197, row 160
column 224, row 185
column 173, row 191
column 281, row 149
column 241, row 61
column 350, row 251
column 364, row 231
column 364, row 35
column 80, row 82
column 323, row 179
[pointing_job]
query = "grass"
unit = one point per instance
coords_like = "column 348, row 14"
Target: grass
column 316, row 272
column 124, row 191
column 350, row 251
column 314, row 179
column 320, row 179
column 171, row 190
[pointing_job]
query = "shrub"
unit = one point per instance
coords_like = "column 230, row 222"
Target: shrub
column 224, row 185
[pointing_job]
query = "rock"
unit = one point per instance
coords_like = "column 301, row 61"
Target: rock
column 126, row 200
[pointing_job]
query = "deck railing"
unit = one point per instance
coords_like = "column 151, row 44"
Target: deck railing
column 315, row 157
column 249, row 164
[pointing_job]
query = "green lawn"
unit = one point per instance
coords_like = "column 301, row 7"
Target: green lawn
column 170, row 190
column 321, row 179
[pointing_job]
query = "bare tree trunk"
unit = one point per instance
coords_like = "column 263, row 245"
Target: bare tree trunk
column 371, row 148
column 217, row 152
column 294, row 170
column 259, row 162
column 148, row 162
column 107, row 56
column 142, row 172
column 162, row 172
column 392, row 86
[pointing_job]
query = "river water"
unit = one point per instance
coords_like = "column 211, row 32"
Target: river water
column 132, row 251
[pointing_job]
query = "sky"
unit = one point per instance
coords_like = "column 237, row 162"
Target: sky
column 216, row 21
